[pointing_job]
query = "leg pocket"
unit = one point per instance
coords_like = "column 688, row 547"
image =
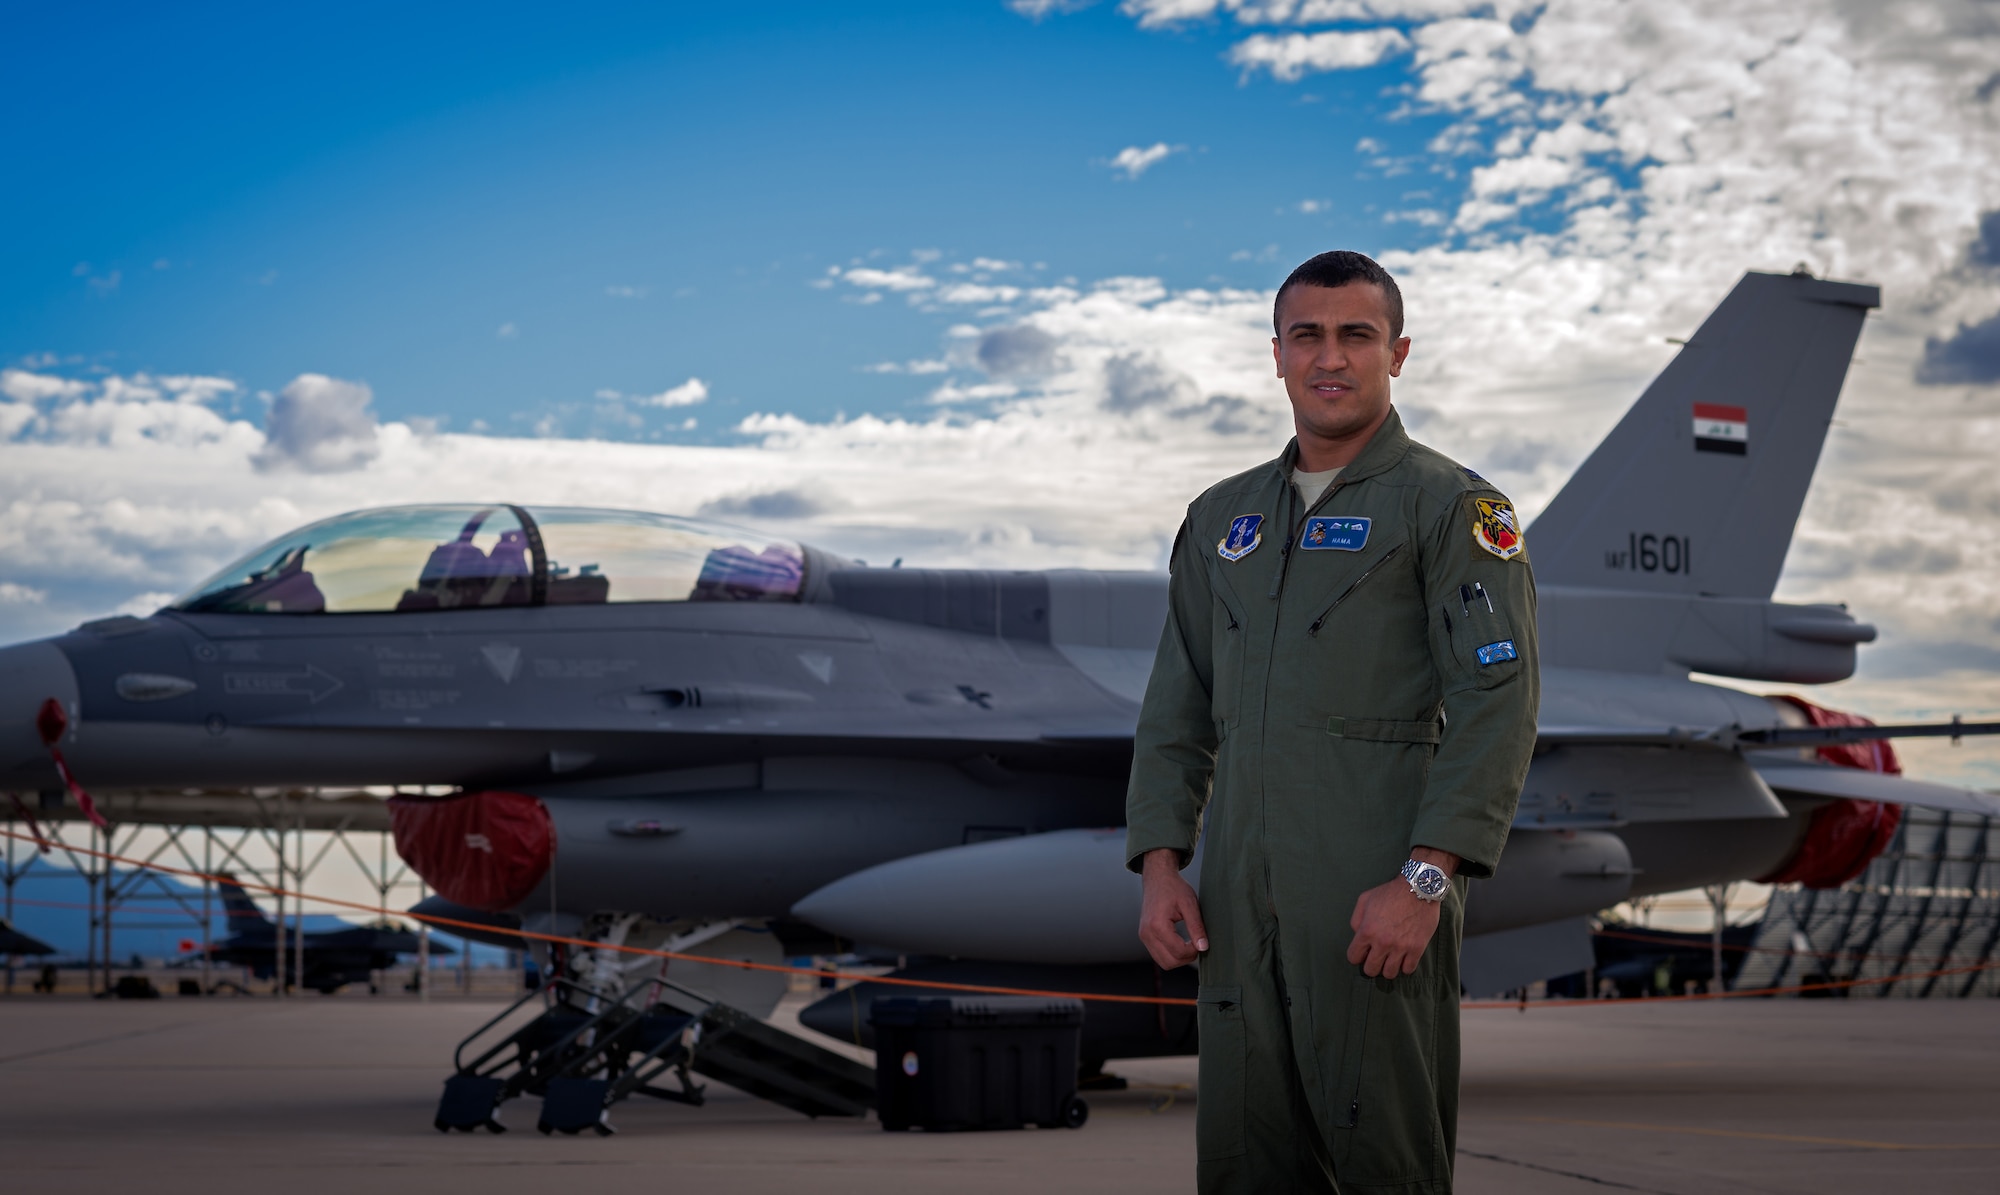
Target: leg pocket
column 1393, row 1134
column 1224, row 1053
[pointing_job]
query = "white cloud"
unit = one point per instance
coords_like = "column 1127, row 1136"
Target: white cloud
column 12, row 594
column 922, row 366
column 321, row 425
column 974, row 293
column 626, row 292
column 1155, row 14
column 1291, row 56
column 902, row 278
column 687, row 394
column 22, row 386
column 1136, row 160
column 140, row 605
column 194, row 388
column 506, row 331
column 1037, row 9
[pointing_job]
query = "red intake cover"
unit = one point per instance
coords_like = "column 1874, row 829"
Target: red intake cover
column 1843, row 835
column 483, row 850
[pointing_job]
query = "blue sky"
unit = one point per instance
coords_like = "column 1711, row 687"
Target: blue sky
column 638, row 194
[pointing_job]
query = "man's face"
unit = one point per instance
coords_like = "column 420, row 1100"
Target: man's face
column 1334, row 351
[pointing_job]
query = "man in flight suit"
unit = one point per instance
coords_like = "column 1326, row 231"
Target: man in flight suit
column 1343, row 708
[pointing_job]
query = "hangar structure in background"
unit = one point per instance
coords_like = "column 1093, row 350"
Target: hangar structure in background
column 1926, row 907
column 671, row 733
column 261, row 834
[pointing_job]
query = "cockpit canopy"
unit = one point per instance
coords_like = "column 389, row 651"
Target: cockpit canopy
column 403, row 558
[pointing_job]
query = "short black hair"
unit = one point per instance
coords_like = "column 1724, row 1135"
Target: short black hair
column 1338, row 268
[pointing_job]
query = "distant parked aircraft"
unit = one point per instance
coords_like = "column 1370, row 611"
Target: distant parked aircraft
column 333, row 958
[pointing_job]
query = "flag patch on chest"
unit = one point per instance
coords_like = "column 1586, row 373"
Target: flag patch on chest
column 1245, row 533
column 1334, row 533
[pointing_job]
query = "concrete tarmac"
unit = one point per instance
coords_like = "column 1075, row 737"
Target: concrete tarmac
column 337, row 1095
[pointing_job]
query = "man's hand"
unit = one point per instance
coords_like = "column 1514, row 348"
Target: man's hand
column 1392, row 926
column 1168, row 900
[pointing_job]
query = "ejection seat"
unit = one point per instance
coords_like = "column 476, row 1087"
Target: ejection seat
column 459, row 574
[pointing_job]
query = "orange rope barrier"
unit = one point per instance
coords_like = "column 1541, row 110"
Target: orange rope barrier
column 585, row 943
column 976, row 988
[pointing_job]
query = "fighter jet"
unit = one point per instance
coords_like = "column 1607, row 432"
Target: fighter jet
column 675, row 733
column 333, row 958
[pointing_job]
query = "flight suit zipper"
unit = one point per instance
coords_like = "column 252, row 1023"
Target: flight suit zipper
column 1345, row 593
column 1292, row 536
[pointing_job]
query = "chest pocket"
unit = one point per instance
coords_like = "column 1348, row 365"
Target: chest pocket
column 1481, row 635
column 1376, row 566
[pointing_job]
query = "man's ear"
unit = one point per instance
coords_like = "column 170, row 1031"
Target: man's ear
column 1278, row 357
column 1396, row 360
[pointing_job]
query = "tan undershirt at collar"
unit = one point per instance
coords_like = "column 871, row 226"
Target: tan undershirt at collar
column 1312, row 486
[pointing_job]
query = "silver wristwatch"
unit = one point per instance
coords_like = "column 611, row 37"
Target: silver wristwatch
column 1427, row 880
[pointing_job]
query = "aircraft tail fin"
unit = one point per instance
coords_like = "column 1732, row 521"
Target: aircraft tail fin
column 1698, row 488
column 243, row 913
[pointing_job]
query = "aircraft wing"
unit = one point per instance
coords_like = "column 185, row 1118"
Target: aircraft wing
column 1807, row 778
column 1777, row 738
column 1632, row 736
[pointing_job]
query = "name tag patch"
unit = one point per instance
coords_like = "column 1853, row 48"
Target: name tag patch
column 1245, row 533
column 1495, row 653
column 1334, row 533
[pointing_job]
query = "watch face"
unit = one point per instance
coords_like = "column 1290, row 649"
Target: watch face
column 1431, row 882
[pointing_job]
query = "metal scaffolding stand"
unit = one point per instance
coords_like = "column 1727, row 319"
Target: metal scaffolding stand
column 207, row 833
column 1930, row 902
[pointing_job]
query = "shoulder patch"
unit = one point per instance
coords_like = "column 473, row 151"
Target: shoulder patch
column 1245, row 533
column 1496, row 528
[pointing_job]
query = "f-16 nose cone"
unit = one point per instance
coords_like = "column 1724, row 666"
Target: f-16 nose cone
column 31, row 674
column 1061, row 897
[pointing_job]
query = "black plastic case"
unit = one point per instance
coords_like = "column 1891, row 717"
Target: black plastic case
column 947, row 1063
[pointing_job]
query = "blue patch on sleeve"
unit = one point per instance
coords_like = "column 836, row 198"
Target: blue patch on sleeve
column 1339, row 533
column 1495, row 653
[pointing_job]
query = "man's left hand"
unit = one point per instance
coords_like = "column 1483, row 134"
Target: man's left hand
column 1392, row 925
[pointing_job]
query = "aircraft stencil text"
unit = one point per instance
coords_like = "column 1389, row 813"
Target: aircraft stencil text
column 1649, row 553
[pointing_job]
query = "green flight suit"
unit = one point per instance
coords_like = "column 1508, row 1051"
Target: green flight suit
column 1359, row 680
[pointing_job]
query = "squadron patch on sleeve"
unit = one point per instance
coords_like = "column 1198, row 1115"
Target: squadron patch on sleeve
column 1496, row 527
column 1245, row 533
column 1496, row 653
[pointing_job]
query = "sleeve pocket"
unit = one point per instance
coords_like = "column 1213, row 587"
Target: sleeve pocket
column 1484, row 647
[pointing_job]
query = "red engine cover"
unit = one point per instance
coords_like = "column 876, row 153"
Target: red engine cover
column 484, row 850
column 1843, row 835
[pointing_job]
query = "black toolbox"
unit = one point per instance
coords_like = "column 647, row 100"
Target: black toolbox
column 976, row 1062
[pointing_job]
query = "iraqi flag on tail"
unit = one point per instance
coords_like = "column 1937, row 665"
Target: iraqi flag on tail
column 1721, row 429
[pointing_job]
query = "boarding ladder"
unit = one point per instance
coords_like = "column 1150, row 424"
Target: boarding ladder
column 586, row 1052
